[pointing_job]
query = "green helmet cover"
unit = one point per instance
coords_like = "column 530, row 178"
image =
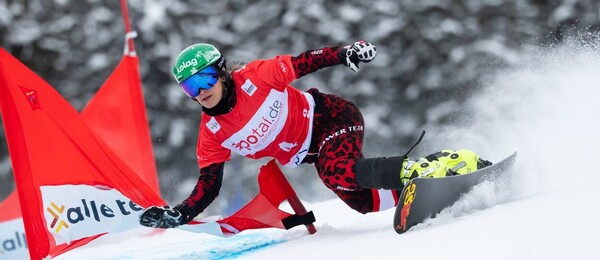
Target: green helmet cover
column 193, row 59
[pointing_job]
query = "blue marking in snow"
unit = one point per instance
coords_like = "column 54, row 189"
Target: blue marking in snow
column 233, row 247
column 242, row 250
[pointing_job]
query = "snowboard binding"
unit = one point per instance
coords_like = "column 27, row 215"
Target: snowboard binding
column 443, row 164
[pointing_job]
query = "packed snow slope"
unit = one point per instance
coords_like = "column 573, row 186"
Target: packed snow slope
column 545, row 106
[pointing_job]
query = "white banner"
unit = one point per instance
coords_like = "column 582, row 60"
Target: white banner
column 74, row 212
column 13, row 244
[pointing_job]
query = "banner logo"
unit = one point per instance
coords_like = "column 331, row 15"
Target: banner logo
column 32, row 97
column 78, row 211
column 55, row 211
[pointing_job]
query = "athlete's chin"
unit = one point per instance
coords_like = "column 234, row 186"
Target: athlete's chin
column 208, row 102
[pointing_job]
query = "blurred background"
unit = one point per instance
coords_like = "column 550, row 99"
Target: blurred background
column 432, row 56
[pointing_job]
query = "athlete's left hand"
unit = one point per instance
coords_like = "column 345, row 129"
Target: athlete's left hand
column 360, row 51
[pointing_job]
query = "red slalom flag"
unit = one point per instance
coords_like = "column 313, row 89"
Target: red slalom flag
column 263, row 211
column 73, row 188
column 117, row 115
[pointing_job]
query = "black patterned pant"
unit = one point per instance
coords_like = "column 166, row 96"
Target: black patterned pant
column 338, row 133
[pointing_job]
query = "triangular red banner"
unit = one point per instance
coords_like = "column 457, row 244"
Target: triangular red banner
column 116, row 114
column 261, row 212
column 84, row 181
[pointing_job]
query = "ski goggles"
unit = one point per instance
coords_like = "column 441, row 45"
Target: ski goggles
column 205, row 79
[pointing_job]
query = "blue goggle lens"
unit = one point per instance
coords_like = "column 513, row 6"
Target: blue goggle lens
column 205, row 79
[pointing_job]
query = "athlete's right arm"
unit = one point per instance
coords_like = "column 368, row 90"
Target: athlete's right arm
column 313, row 60
column 206, row 191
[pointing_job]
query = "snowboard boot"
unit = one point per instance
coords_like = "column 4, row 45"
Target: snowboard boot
column 445, row 163
column 393, row 173
column 424, row 168
column 383, row 172
column 459, row 162
column 380, row 173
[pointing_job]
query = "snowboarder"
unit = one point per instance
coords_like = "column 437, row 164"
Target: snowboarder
column 254, row 112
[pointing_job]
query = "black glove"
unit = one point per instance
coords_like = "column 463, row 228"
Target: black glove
column 360, row 51
column 161, row 217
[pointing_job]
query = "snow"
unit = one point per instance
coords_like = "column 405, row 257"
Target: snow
column 545, row 107
column 553, row 225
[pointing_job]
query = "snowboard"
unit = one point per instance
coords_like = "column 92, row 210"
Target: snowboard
column 422, row 198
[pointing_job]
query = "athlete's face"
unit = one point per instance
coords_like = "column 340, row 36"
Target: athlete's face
column 209, row 98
